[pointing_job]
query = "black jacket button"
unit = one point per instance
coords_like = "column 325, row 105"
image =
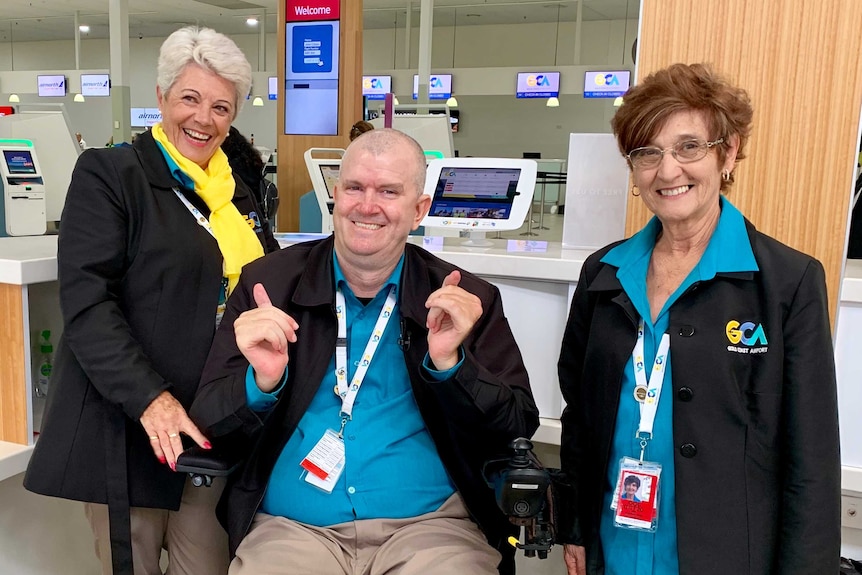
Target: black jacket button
column 686, row 331
column 688, row 450
column 684, row 394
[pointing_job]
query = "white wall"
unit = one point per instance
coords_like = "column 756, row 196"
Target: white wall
column 484, row 66
column 604, row 42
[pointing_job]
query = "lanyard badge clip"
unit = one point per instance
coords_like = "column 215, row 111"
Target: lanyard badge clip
column 344, row 419
column 644, row 438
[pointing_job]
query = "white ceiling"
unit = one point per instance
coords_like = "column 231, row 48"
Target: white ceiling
column 41, row 20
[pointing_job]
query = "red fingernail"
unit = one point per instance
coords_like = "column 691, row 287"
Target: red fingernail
column 162, row 459
column 173, row 466
column 208, row 445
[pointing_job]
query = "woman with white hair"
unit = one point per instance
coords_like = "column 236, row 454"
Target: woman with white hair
column 152, row 241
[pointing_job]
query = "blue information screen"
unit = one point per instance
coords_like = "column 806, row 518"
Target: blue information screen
column 19, row 162
column 312, row 48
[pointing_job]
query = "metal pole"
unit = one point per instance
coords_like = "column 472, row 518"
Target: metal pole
column 426, row 23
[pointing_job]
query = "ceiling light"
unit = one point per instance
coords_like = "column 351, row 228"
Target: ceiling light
column 452, row 102
column 251, row 21
column 14, row 99
column 395, row 101
column 78, row 98
column 84, row 28
column 552, row 102
column 258, row 101
column 618, row 101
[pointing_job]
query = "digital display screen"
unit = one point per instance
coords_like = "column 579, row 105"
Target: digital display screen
column 538, row 85
column 439, row 86
column 145, row 117
column 376, row 87
column 330, row 177
column 273, row 87
column 19, row 161
column 312, row 33
column 50, row 86
column 606, row 84
column 475, row 193
column 95, row 85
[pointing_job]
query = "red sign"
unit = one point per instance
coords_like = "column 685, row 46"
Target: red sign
column 312, row 10
column 6, row 110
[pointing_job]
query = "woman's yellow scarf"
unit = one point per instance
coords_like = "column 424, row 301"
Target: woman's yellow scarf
column 215, row 185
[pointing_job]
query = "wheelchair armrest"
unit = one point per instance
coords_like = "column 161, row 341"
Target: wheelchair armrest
column 204, row 464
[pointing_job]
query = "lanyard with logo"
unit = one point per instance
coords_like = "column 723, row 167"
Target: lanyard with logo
column 346, row 392
column 635, row 499
column 647, row 393
column 204, row 223
column 199, row 217
column 326, row 460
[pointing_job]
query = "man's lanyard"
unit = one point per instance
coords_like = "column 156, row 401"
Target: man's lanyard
column 647, row 393
column 199, row 217
column 345, row 392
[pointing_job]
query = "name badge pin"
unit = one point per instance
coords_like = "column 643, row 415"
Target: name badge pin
column 640, row 393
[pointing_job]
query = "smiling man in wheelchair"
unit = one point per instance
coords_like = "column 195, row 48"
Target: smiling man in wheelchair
column 365, row 382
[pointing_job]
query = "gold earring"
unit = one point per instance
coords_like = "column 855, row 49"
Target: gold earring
column 725, row 175
column 633, row 191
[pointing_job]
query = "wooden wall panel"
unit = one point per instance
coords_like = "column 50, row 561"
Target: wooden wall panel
column 13, row 398
column 800, row 63
column 293, row 179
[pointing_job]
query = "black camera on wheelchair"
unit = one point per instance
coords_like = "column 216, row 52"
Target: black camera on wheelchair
column 529, row 494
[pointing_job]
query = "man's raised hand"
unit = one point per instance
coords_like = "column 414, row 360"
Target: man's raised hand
column 262, row 336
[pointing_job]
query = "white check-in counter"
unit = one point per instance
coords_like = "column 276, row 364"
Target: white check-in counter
column 28, row 283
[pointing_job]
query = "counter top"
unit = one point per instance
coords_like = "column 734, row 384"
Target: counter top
column 13, row 459
column 522, row 259
column 28, row 260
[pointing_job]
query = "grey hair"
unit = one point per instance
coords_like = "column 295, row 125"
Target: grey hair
column 211, row 51
column 378, row 142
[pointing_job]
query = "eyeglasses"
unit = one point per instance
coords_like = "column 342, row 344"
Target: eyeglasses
column 685, row 151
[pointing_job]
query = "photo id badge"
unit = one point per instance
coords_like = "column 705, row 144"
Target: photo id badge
column 325, row 462
column 635, row 500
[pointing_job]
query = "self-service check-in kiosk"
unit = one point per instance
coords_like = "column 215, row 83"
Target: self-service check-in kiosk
column 22, row 198
column 324, row 166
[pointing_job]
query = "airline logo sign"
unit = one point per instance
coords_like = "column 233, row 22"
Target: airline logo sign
column 376, row 87
column 439, row 87
column 538, row 85
column 606, row 84
column 146, row 117
column 95, row 85
column 52, row 85
column 313, row 10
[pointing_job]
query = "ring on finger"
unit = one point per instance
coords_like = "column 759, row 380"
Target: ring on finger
column 154, row 437
column 172, row 435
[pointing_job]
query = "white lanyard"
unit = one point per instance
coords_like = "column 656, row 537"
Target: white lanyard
column 345, row 392
column 648, row 393
column 199, row 217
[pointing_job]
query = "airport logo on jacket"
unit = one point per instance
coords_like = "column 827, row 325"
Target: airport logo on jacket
column 746, row 337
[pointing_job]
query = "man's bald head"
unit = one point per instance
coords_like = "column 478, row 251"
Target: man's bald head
column 380, row 142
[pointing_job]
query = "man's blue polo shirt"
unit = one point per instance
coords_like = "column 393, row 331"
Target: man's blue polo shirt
column 629, row 552
column 392, row 467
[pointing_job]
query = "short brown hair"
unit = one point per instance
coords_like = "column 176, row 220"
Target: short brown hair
column 360, row 128
column 682, row 87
